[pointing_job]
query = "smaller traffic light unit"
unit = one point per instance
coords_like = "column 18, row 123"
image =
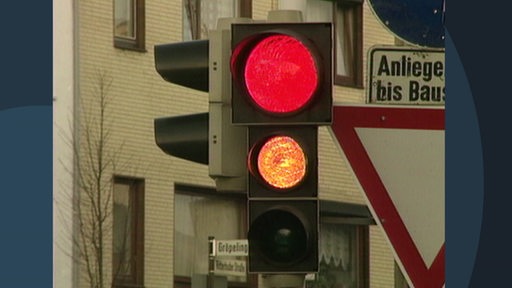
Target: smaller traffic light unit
column 283, row 209
column 282, row 91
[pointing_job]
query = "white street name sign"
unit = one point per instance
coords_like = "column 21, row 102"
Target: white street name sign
column 230, row 267
column 230, row 247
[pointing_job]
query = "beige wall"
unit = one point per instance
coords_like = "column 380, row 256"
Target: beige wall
column 139, row 95
column 63, row 96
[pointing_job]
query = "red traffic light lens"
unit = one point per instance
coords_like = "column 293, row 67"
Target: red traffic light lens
column 281, row 75
column 281, row 162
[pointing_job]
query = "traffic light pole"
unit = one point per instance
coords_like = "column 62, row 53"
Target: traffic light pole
column 284, row 280
column 211, row 263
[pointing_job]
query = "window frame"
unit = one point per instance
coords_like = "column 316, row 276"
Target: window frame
column 244, row 10
column 362, row 239
column 138, row 43
column 356, row 79
column 333, row 212
column 136, row 194
column 400, row 281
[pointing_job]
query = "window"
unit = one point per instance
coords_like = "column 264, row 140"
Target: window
column 199, row 16
column 341, row 255
column 346, row 16
column 344, row 246
column 198, row 214
column 400, row 281
column 128, row 232
column 129, row 24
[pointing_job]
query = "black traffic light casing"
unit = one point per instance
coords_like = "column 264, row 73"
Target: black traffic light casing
column 282, row 91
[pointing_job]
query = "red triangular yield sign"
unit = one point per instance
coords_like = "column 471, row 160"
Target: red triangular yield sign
column 397, row 154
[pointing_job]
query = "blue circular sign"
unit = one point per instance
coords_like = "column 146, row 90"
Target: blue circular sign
column 418, row 22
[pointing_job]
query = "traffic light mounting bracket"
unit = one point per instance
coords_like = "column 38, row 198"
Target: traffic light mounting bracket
column 227, row 143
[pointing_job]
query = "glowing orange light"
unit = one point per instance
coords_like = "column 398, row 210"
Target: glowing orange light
column 281, row 162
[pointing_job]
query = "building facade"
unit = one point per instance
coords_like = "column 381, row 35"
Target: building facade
column 155, row 212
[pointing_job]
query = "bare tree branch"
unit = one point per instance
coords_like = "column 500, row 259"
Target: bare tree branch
column 96, row 163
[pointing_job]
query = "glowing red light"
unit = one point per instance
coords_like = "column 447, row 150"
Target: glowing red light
column 281, row 162
column 281, row 74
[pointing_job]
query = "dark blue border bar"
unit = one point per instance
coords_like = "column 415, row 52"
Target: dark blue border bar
column 26, row 144
column 464, row 173
column 26, row 206
column 27, row 54
column 480, row 35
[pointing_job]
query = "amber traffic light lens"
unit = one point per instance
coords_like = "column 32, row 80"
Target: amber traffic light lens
column 281, row 162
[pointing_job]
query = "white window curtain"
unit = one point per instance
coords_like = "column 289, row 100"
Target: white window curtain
column 345, row 41
column 335, row 245
column 197, row 218
column 338, row 250
column 122, row 230
column 124, row 11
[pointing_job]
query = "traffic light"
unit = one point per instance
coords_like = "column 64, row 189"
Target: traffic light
column 282, row 91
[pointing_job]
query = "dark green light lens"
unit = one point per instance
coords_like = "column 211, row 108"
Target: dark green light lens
column 281, row 236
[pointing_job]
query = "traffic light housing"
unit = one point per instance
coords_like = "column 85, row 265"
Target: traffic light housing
column 281, row 73
column 282, row 91
column 206, row 138
column 283, row 204
column 278, row 92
